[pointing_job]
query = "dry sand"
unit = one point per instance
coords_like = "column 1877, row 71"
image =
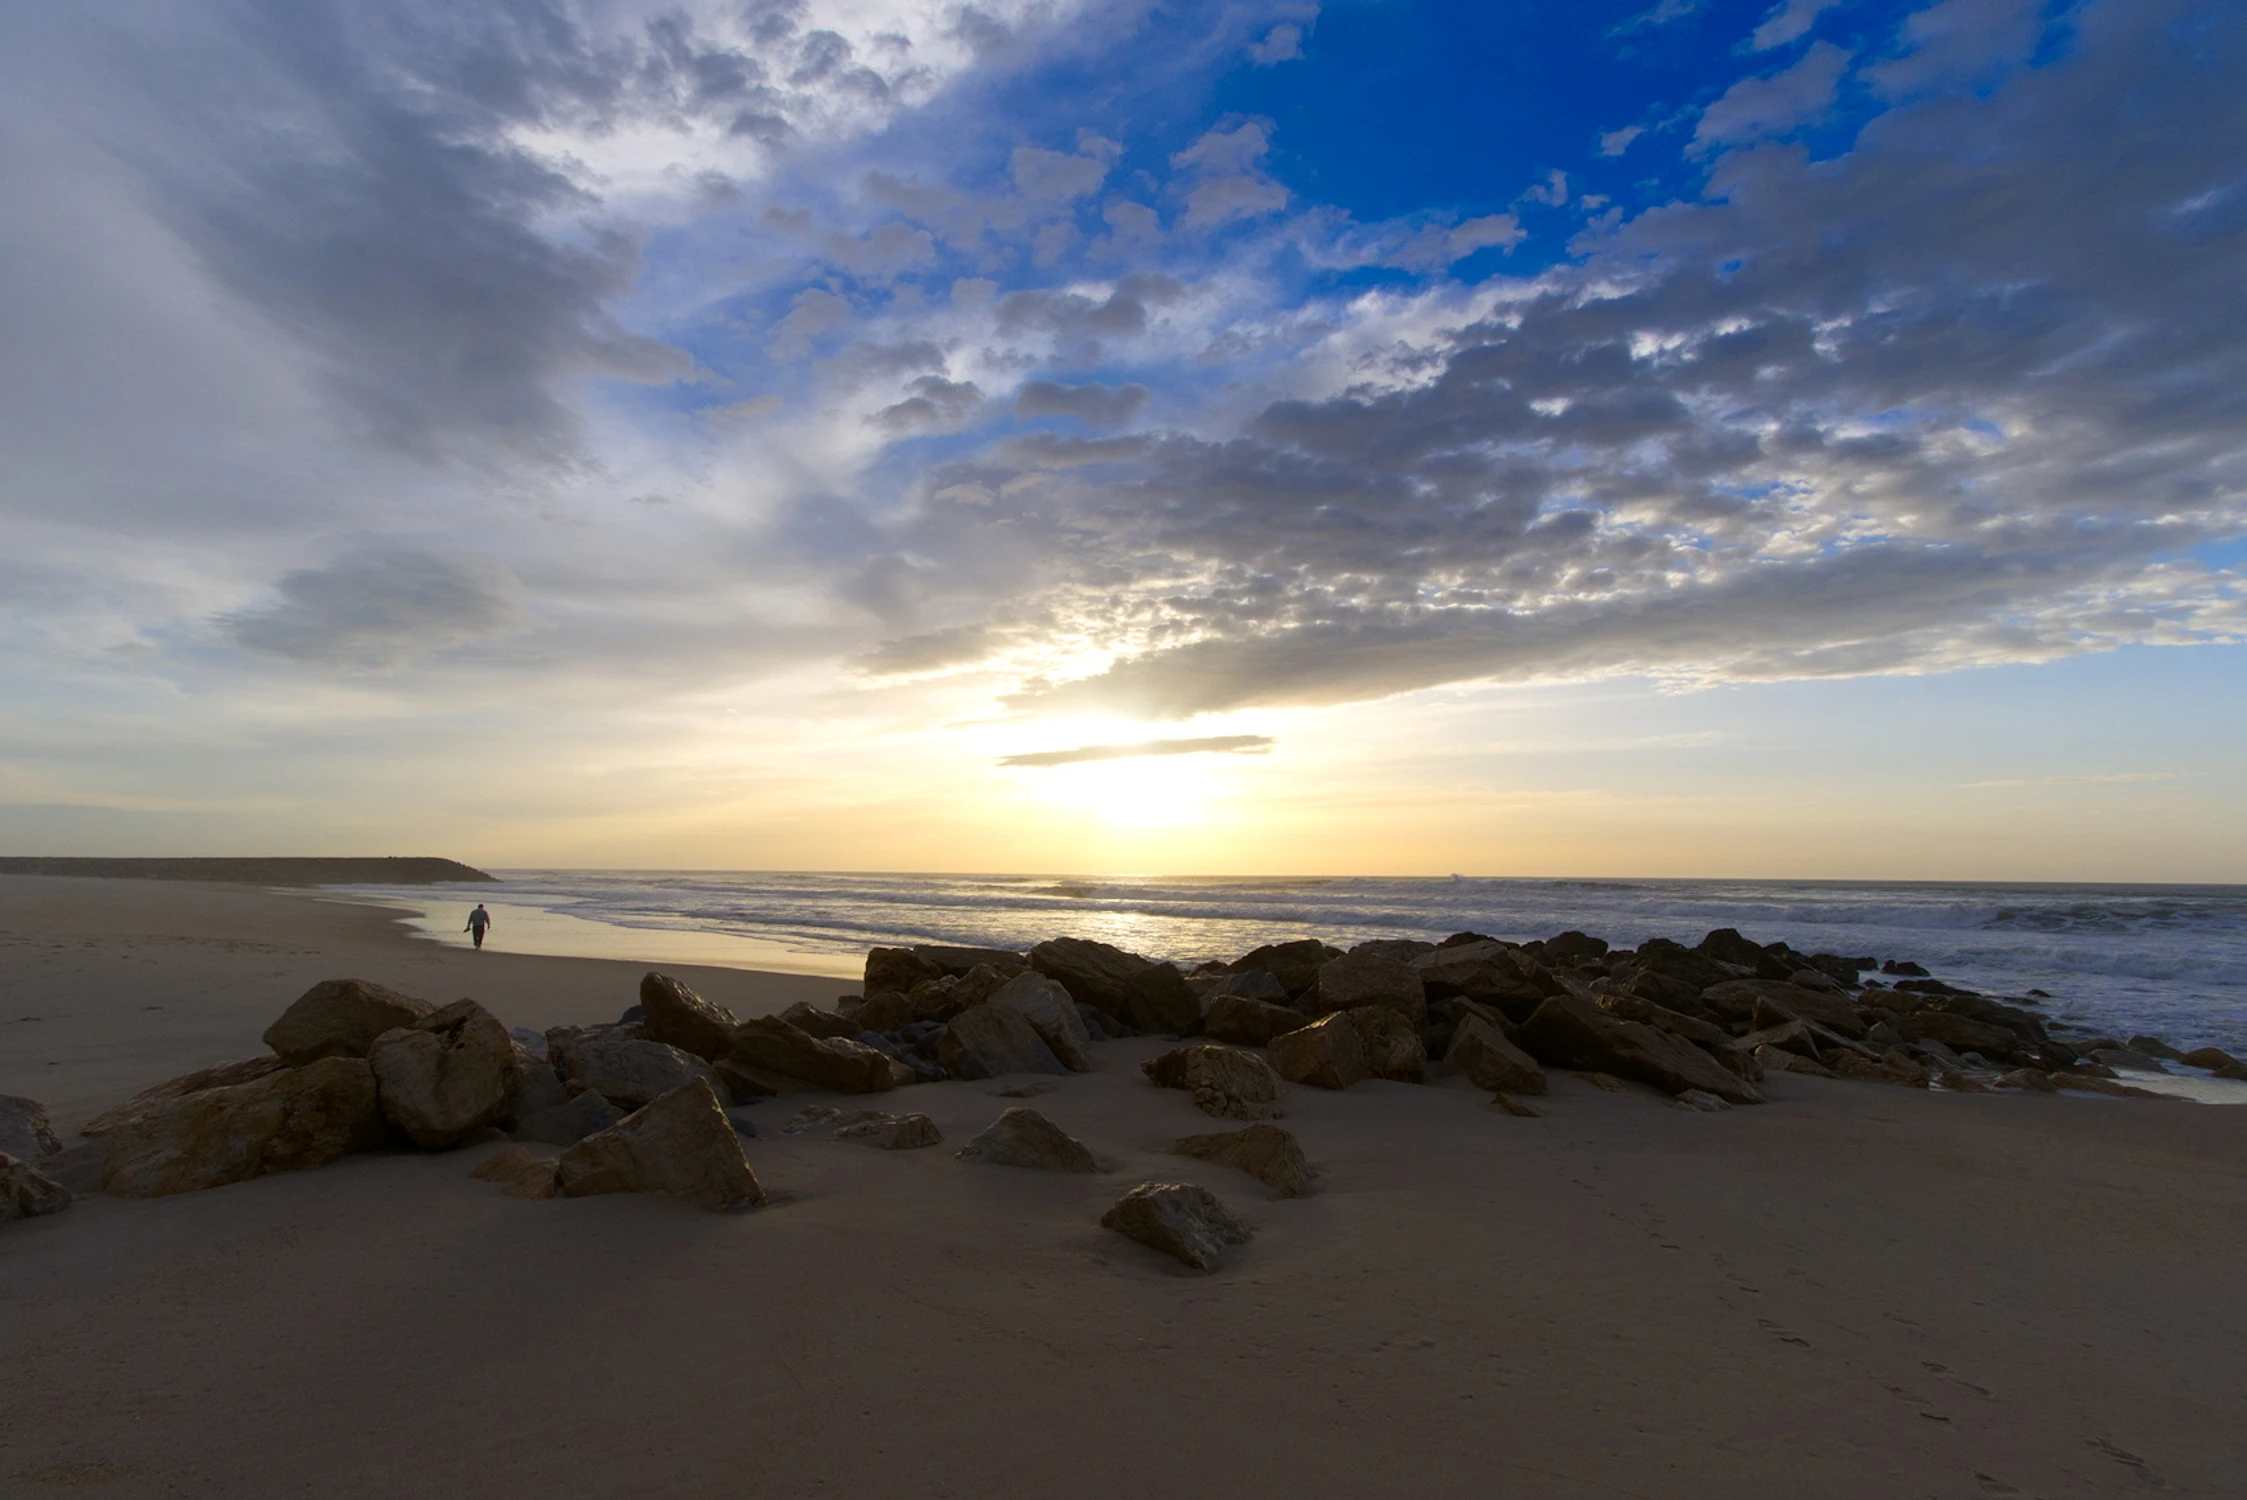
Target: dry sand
column 1857, row 1290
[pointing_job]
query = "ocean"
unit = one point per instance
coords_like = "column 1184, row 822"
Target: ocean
column 2166, row 960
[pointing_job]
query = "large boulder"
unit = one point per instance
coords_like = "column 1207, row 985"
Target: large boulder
column 1634, row 1007
column 1295, row 965
column 1394, row 1048
column 895, row 970
column 681, row 1145
column 1358, row 979
column 25, row 1132
column 1325, row 1054
column 1248, row 984
column 1021, row 1137
column 1179, row 1219
column 1959, row 1033
column 340, row 1018
column 1767, row 1002
column 288, row 1121
column 26, row 1192
column 1159, row 999
column 1488, row 971
column 1481, row 1054
column 625, row 1068
column 1096, row 973
column 1265, row 1152
column 1571, row 1033
column 224, row 1075
column 837, row 1063
column 678, row 1017
column 953, row 961
column 449, row 1074
column 1247, row 1022
column 1225, row 1082
column 812, row 1020
column 569, row 1122
column 1052, row 1014
column 991, row 1041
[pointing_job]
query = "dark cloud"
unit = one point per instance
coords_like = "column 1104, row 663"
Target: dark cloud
column 1910, row 408
column 1092, row 404
column 378, row 608
column 1222, row 744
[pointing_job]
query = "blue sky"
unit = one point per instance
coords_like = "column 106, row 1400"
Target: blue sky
column 755, row 424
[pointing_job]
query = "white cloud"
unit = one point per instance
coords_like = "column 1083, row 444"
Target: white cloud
column 1283, row 43
column 1792, row 20
column 1616, row 142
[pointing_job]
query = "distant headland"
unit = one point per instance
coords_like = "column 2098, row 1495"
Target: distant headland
column 383, row 871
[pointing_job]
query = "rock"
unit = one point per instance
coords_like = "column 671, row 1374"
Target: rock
column 25, row 1132
column 681, row 1145
column 533, row 1043
column 538, row 1087
column 2032, row 1080
column 1607, row 1083
column 627, row 1069
column 1481, row 1053
column 1325, row 1054
column 340, row 1018
column 1249, row 1022
column 2091, row 1083
column 1355, row 980
column 892, row 1132
column 450, row 1074
column 1403, row 950
column 1160, row 1000
column 1051, row 1014
column 1573, row 949
column 1726, row 946
column 1096, row 973
column 886, row 1011
column 2153, row 1046
column 1695, row 1099
column 1755, row 999
column 1265, row 1152
column 1894, row 1067
column 524, row 1174
column 738, row 1083
column 288, row 1121
column 2126, row 1057
column 1572, row 1033
column 1394, row 1047
column 1179, row 1219
column 1488, row 971
column 1777, row 1061
column 1250, row 984
column 1960, row 1033
column 1631, row 1007
column 815, row 1022
column 2211, row 1058
column 26, row 1192
column 1295, row 965
column 569, row 1122
column 837, row 1063
column 1021, row 1137
column 950, row 961
column 895, row 969
column 1225, row 1082
column 1819, row 980
column 225, row 1075
column 990, row 1041
column 678, row 1017
column 1516, row 1108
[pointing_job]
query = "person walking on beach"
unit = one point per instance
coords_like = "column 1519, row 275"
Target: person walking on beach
column 478, row 920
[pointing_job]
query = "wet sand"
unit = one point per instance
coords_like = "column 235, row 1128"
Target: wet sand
column 1856, row 1290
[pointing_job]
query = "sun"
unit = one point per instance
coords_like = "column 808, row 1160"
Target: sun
column 1156, row 791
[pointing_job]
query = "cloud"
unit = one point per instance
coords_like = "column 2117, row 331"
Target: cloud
column 1055, row 174
column 811, row 313
column 1666, row 13
column 1230, row 185
column 936, row 405
column 1223, row 744
column 2111, row 780
column 1616, row 142
column 1793, row 19
column 1758, row 107
column 379, row 608
column 1283, row 43
column 1092, row 404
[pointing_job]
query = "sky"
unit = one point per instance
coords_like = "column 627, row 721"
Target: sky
column 1678, row 437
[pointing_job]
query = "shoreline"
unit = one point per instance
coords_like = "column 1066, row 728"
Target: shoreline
column 1855, row 1290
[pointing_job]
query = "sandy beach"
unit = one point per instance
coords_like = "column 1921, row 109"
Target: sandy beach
column 1855, row 1290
